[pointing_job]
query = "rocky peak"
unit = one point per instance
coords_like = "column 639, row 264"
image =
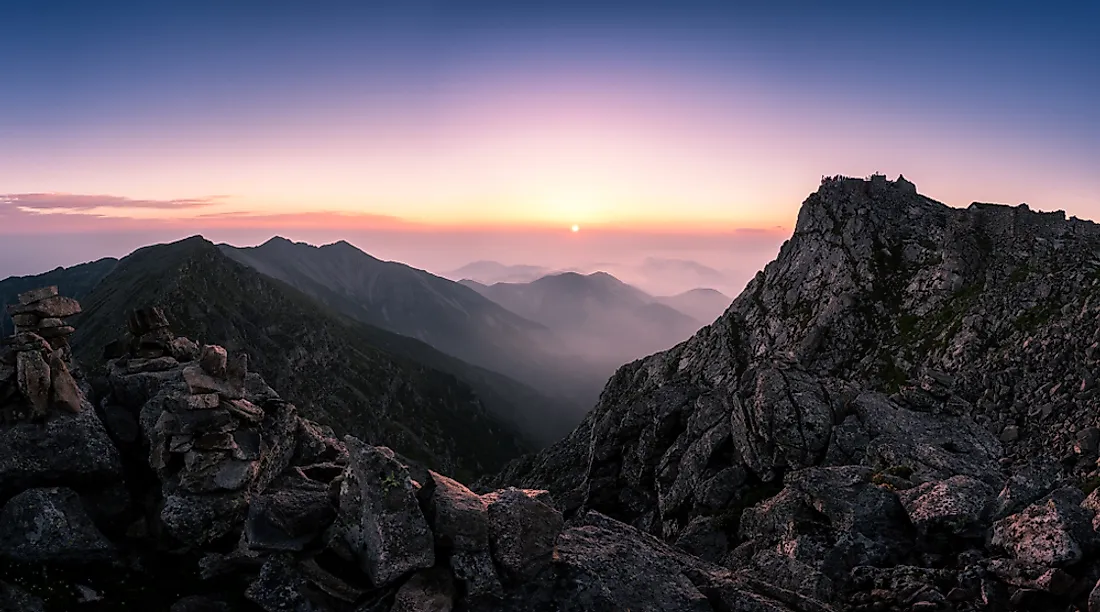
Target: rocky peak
column 844, row 426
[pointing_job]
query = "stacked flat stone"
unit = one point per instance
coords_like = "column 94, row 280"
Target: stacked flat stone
column 34, row 361
column 150, row 337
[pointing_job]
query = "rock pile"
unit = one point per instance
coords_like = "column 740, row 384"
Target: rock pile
column 34, row 361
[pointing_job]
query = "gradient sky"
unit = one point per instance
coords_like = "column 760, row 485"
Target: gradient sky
column 463, row 125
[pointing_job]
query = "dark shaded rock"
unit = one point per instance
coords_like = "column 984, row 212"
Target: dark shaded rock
column 522, row 531
column 141, row 321
column 15, row 599
column 197, row 520
column 1034, row 480
column 1053, row 532
column 34, row 295
column 380, row 521
column 1094, row 598
column 281, row 588
column 183, row 349
column 67, row 450
column 430, row 590
column 198, row 603
column 705, row 538
column 50, row 525
column 287, row 520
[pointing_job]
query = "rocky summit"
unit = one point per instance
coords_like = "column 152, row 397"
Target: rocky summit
column 898, row 414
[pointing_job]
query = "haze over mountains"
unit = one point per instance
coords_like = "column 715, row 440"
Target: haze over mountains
column 536, row 363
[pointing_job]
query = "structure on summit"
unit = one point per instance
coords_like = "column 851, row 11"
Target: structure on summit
column 35, row 361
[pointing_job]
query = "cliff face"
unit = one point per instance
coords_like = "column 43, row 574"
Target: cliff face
column 894, row 342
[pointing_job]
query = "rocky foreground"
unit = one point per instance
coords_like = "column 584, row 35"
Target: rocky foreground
column 191, row 486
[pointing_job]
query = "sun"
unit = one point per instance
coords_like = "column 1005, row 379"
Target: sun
column 575, row 228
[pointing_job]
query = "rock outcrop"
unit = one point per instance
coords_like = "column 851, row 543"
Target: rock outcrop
column 886, row 418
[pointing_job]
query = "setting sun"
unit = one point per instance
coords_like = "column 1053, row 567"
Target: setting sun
column 575, row 228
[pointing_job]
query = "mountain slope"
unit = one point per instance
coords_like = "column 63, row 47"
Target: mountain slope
column 359, row 379
column 596, row 315
column 701, row 304
column 897, row 356
column 74, row 281
column 443, row 314
column 489, row 272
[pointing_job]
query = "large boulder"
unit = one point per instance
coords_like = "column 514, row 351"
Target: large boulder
column 430, row 590
column 69, row 450
column 50, row 526
column 956, row 505
column 1035, row 479
column 380, row 521
column 1053, row 532
column 460, row 522
column 522, row 531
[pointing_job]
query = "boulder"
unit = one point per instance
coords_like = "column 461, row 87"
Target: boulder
column 522, row 531
column 460, row 523
column 33, row 377
column 380, row 521
column 956, row 505
column 183, row 349
column 1053, row 532
column 64, row 392
column 197, row 520
column 430, row 590
column 50, row 526
column 55, row 306
column 69, row 450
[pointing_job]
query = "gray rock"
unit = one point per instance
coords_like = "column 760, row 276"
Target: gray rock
column 1094, row 598
column 1034, row 480
column 956, row 505
column 380, row 521
column 198, row 381
column 705, row 538
column 460, row 522
column 1054, row 532
column 50, row 526
column 71, row 450
column 1087, row 442
column 198, row 603
column 281, row 588
column 522, row 531
column 427, row 591
column 197, row 520
column 34, row 295
column 33, row 377
column 1010, row 433
column 55, row 306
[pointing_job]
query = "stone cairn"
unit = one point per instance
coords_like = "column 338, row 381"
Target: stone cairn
column 35, row 360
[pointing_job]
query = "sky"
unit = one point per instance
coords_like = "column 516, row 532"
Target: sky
column 440, row 133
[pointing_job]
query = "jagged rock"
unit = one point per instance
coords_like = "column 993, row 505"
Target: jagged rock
column 208, row 472
column 1034, row 480
column 705, row 538
column 287, row 520
column 460, row 522
column 1094, row 598
column 50, row 525
column 34, row 381
column 26, row 341
column 1087, row 441
column 66, row 450
column 427, row 591
column 213, row 360
column 1054, row 532
column 379, row 520
column 64, row 392
column 955, row 505
column 522, row 531
column 243, row 409
column 144, row 320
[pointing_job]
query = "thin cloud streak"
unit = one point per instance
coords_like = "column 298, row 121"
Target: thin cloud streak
column 35, row 202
